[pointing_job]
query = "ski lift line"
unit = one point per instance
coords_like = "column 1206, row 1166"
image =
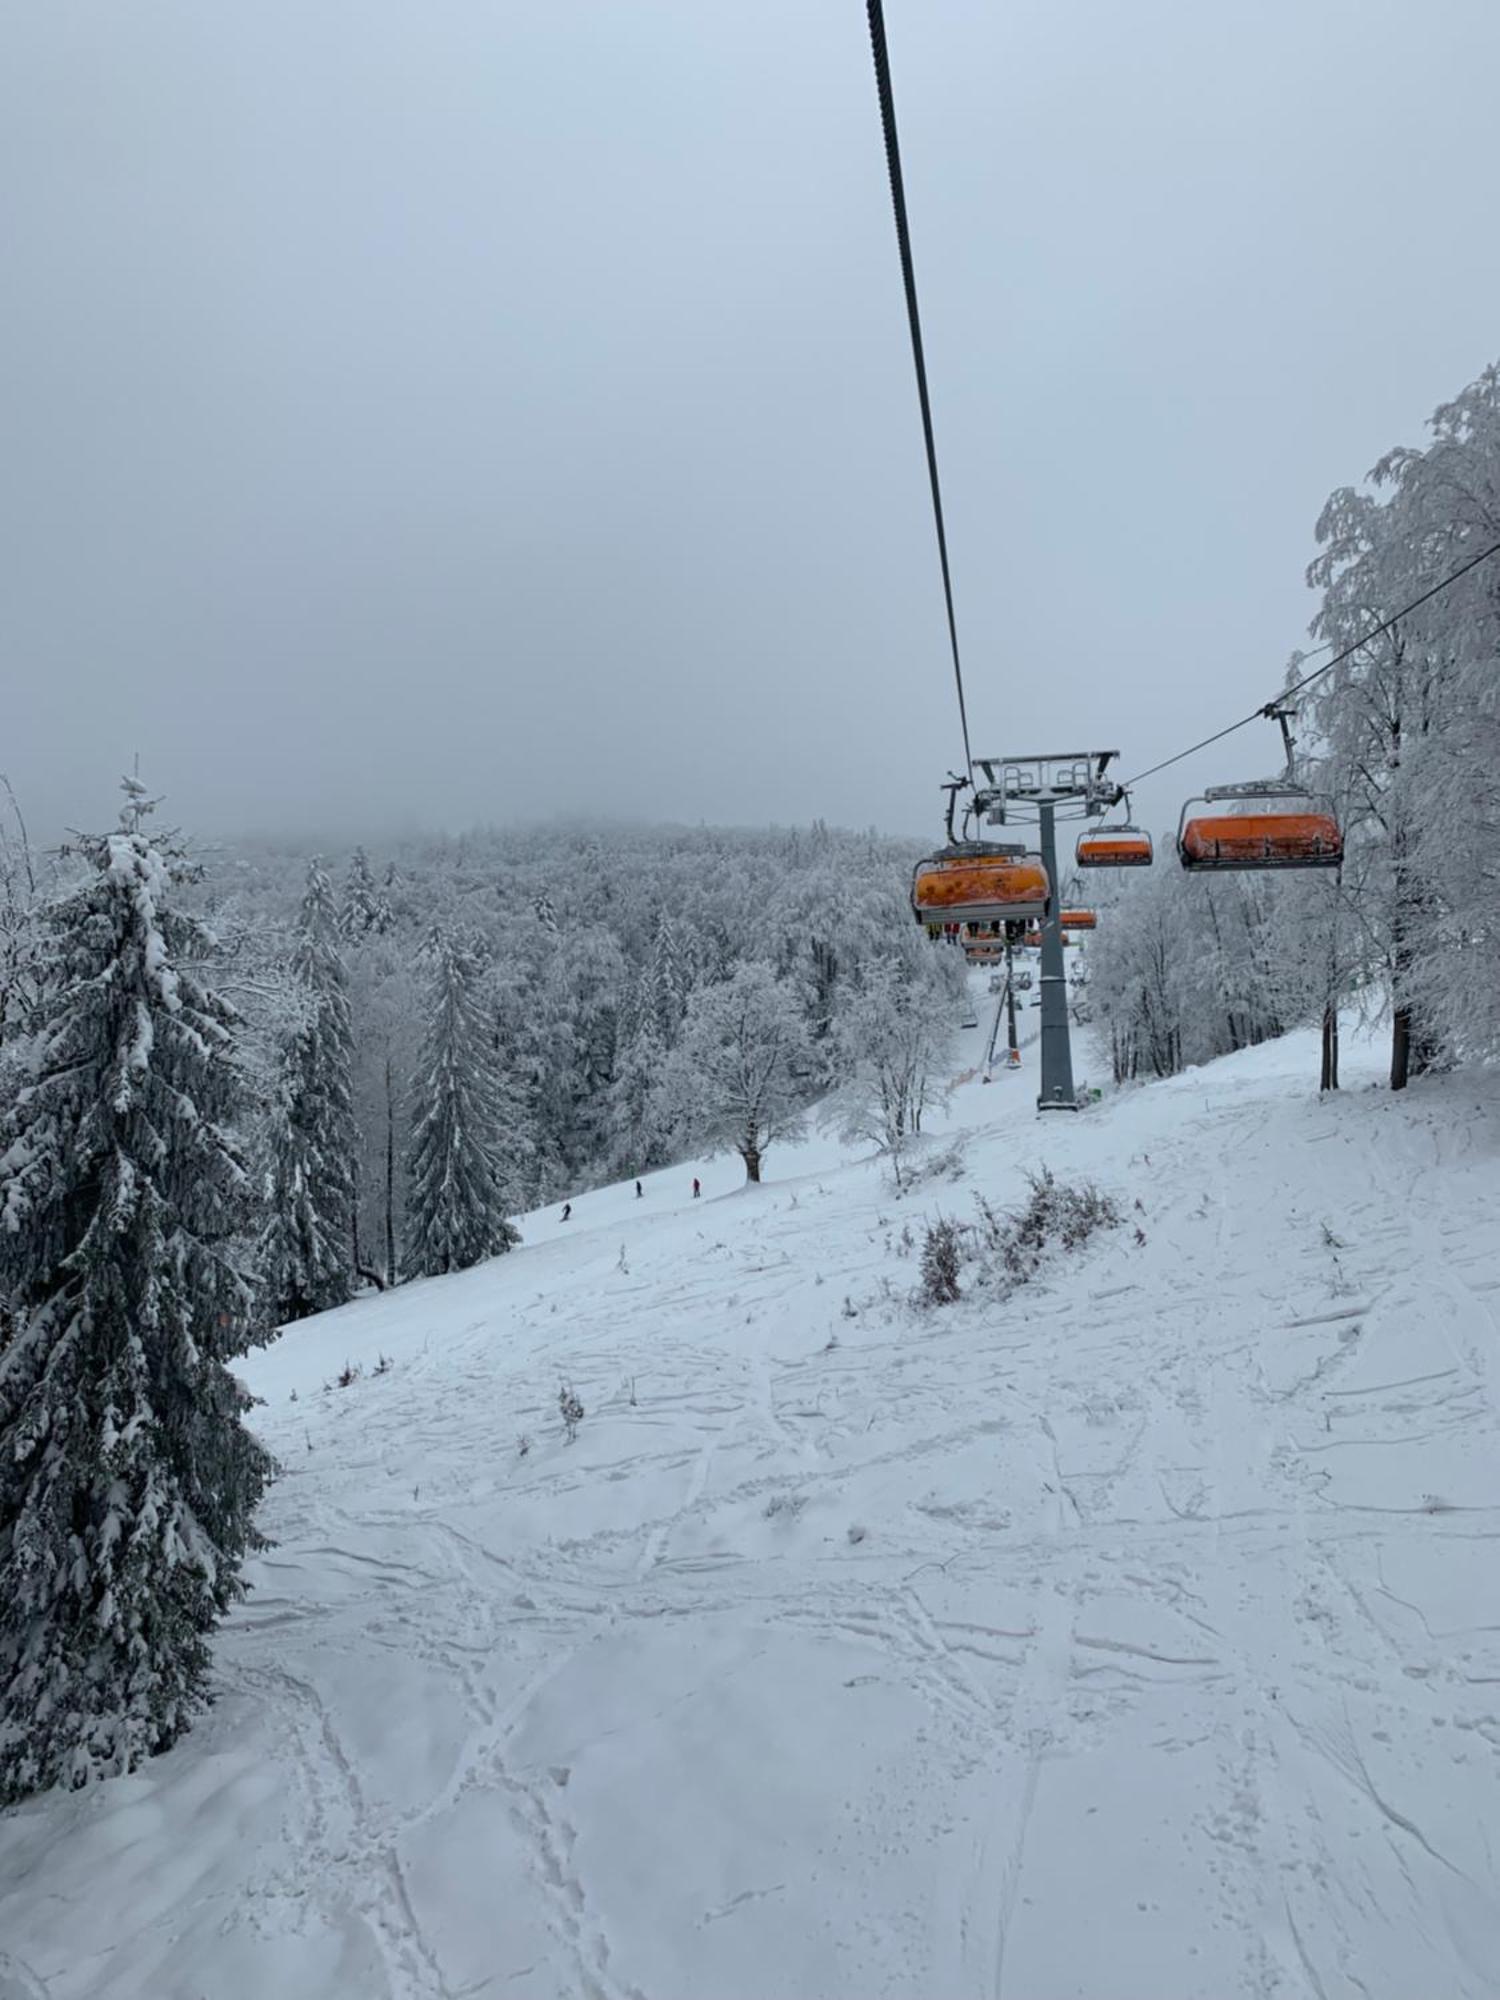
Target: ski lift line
column 881, row 55
column 1375, row 631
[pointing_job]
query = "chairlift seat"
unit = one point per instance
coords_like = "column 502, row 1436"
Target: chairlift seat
column 979, row 882
column 1114, row 847
column 1309, row 838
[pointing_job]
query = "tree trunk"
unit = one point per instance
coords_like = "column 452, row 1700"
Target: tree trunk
column 1413, row 1050
column 390, row 1177
column 1329, row 1079
column 1400, row 1047
column 750, row 1153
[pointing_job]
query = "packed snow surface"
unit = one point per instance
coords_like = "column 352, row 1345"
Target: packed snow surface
column 1135, row 1639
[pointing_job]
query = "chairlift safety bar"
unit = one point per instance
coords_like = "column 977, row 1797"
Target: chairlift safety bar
column 1258, row 788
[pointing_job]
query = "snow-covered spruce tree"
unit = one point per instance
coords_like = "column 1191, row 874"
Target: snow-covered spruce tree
column 18, row 928
column 361, row 901
column 307, row 1249
column 642, row 1137
column 669, row 980
column 739, row 1074
column 128, row 1482
column 456, row 1204
column 384, row 1001
column 570, row 1043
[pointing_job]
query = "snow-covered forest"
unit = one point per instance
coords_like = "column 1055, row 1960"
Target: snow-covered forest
column 566, row 981
column 246, row 1085
column 678, row 1319
column 241, row 1087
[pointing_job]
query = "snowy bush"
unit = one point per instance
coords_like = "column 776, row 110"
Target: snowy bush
column 942, row 1259
column 1008, row 1249
column 947, row 1163
column 1054, row 1215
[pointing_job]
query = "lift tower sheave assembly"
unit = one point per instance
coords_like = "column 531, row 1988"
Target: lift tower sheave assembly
column 1033, row 787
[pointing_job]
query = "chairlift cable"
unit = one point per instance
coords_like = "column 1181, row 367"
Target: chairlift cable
column 1375, row 631
column 881, row 54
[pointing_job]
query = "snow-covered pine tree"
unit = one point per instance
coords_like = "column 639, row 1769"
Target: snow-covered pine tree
column 128, row 1482
column 307, row 1247
column 457, row 1191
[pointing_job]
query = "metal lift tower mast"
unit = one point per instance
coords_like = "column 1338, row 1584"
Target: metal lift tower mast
column 1016, row 789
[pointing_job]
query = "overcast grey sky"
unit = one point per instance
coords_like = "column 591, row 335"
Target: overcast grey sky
column 465, row 409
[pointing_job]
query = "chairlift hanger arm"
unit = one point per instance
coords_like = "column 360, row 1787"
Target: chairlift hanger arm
column 953, row 787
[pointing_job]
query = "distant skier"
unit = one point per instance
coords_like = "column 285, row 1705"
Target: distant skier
column 567, row 1210
column 639, row 1190
column 697, row 1187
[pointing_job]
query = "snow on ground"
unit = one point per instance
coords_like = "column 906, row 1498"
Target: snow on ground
column 1138, row 1639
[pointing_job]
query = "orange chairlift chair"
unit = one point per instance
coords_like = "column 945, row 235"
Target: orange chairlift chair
column 1270, row 822
column 1113, row 847
column 979, row 881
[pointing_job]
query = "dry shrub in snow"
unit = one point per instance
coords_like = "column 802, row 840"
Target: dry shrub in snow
column 571, row 1410
column 1055, row 1213
column 1010, row 1248
column 942, row 1257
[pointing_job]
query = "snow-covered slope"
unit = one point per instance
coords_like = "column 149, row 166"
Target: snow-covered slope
column 1136, row 1640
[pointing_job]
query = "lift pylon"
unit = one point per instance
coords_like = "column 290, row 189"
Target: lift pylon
column 1023, row 789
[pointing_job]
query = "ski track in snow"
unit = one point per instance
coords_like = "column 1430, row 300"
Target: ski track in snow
column 1137, row 1638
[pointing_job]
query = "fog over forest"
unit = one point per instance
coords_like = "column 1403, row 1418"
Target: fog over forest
column 491, row 411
